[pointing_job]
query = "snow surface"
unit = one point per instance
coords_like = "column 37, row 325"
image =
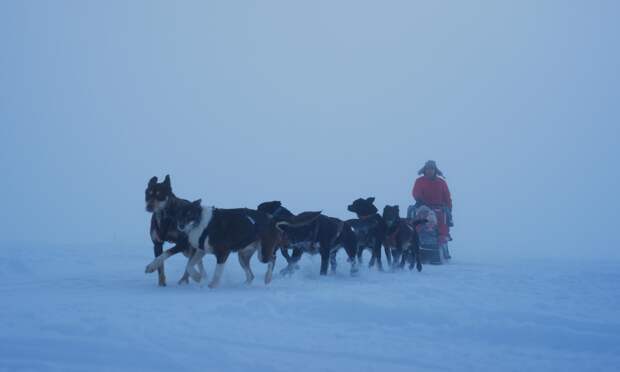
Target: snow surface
column 93, row 309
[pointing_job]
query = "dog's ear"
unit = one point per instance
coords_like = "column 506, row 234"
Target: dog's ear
column 167, row 180
column 152, row 181
column 197, row 202
column 371, row 199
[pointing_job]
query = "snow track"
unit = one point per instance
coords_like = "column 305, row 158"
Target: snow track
column 92, row 308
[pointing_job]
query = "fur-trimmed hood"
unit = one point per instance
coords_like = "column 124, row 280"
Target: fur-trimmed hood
column 431, row 164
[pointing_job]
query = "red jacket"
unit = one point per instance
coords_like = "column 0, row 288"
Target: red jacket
column 433, row 191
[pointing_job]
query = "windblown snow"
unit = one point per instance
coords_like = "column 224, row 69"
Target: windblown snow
column 93, row 309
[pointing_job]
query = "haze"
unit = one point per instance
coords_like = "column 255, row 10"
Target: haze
column 314, row 104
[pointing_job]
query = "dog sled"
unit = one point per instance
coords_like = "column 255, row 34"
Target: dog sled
column 433, row 235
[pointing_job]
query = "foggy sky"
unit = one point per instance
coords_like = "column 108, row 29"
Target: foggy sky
column 314, row 104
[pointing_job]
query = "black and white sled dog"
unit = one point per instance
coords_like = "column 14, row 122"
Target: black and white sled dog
column 163, row 204
column 401, row 238
column 224, row 231
column 369, row 229
column 325, row 236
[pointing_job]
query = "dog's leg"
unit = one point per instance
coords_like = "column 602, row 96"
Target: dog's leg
column 286, row 255
column 324, row 260
column 217, row 276
column 158, row 263
column 351, row 251
column 297, row 252
column 267, row 254
column 270, row 266
column 188, row 253
column 219, row 268
column 418, row 258
column 377, row 253
column 332, row 250
column 160, row 256
column 354, row 267
column 191, row 263
column 292, row 261
column 201, row 270
column 333, row 263
column 388, row 255
column 405, row 256
column 289, row 260
column 360, row 252
column 244, row 261
column 184, row 279
column 396, row 256
column 373, row 257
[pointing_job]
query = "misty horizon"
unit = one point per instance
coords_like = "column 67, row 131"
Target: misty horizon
column 314, row 105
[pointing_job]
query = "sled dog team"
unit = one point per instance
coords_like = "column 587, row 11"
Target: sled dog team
column 196, row 229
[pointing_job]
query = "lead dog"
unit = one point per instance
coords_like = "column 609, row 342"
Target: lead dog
column 163, row 204
column 224, row 231
column 324, row 236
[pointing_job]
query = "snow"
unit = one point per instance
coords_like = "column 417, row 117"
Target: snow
column 91, row 308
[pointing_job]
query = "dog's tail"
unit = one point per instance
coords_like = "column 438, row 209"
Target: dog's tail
column 302, row 219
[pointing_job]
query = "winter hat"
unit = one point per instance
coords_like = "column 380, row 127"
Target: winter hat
column 431, row 164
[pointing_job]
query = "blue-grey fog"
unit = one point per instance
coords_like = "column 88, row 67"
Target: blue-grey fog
column 313, row 103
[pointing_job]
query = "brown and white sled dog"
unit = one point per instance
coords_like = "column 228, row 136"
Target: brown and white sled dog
column 224, row 231
column 401, row 239
column 162, row 203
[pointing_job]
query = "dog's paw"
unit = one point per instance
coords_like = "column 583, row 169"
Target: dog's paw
column 355, row 269
column 154, row 265
column 213, row 285
column 196, row 277
column 184, row 280
column 289, row 270
column 150, row 267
